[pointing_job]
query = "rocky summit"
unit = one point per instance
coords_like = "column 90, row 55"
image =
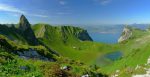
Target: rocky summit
column 26, row 31
column 24, row 23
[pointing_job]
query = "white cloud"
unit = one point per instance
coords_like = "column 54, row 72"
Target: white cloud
column 17, row 11
column 61, row 2
column 103, row 2
column 38, row 15
column 4, row 7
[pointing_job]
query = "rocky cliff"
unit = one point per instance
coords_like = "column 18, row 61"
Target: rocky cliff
column 77, row 32
column 126, row 34
column 62, row 33
column 26, row 31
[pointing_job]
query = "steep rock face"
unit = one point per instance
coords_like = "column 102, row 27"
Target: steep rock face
column 24, row 23
column 26, row 31
column 77, row 32
column 84, row 36
column 126, row 34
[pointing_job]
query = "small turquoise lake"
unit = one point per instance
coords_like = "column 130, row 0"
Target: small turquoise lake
column 114, row 55
column 108, row 58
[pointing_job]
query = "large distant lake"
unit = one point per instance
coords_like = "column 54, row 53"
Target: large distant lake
column 110, row 38
column 109, row 33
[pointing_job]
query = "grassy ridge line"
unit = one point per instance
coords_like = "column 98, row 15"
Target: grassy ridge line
column 12, row 47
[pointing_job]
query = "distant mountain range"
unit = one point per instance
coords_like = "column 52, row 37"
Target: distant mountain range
column 111, row 29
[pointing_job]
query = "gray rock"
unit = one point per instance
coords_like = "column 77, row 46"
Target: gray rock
column 26, row 31
column 32, row 54
column 23, row 67
column 126, row 34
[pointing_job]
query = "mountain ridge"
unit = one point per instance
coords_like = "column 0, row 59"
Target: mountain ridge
column 22, row 56
column 71, row 49
column 65, row 32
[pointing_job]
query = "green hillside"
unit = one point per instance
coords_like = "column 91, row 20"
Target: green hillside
column 136, row 52
column 12, row 65
column 57, row 54
column 11, row 33
column 66, row 41
column 43, row 50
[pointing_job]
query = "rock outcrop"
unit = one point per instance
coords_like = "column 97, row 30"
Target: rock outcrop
column 126, row 34
column 24, row 23
column 84, row 36
column 147, row 70
column 26, row 31
column 32, row 54
column 77, row 32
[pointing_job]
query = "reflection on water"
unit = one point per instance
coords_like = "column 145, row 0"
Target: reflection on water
column 114, row 56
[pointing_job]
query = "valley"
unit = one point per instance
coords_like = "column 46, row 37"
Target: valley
column 71, row 50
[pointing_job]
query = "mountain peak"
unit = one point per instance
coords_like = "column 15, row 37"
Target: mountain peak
column 22, row 16
column 24, row 23
column 26, row 30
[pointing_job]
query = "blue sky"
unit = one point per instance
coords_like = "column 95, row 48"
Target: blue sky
column 94, row 12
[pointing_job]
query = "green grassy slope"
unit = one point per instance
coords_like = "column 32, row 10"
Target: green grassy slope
column 12, row 47
column 67, row 41
column 11, row 65
column 68, row 44
column 136, row 52
column 71, row 42
column 11, row 33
